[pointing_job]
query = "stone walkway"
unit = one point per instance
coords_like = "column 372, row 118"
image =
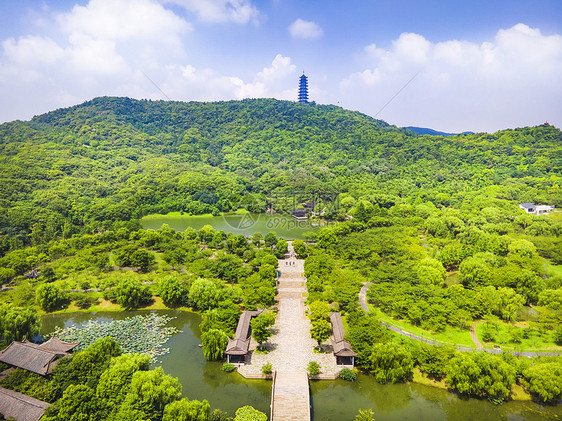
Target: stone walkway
column 291, row 347
column 291, row 397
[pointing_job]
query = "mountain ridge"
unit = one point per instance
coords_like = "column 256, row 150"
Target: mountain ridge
column 116, row 159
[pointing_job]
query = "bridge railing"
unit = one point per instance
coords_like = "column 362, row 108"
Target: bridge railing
column 273, row 394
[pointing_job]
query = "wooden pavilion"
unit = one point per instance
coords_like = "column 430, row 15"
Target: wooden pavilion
column 342, row 349
column 237, row 348
column 40, row 359
column 14, row 405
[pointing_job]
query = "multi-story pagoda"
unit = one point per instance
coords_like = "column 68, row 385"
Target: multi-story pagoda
column 303, row 89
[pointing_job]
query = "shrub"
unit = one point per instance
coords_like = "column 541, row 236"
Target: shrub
column 390, row 363
column 348, row 374
column 131, row 293
column 267, row 368
column 50, row 297
column 249, row 413
column 313, row 368
column 229, row 368
column 84, row 301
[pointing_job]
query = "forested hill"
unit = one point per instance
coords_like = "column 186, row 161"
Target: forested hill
column 114, row 159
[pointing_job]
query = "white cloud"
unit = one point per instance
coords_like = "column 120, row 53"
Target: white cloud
column 511, row 81
column 305, row 29
column 189, row 83
column 96, row 49
column 237, row 11
column 280, row 67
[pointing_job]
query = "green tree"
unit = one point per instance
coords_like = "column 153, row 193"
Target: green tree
column 172, row 291
column 214, row 343
column 320, row 331
column 522, row 248
column 281, row 248
column 313, row 368
column 362, row 334
column 270, row 239
column 114, row 381
column 205, row 294
column 18, row 323
column 78, row 403
column 509, row 303
column 6, row 275
column 260, row 327
column 249, row 413
column 474, row 272
column 149, row 393
column 544, row 381
column 431, row 272
column 131, row 293
column 390, row 363
column 50, row 297
column 186, row 410
column 558, row 335
column 257, row 239
column 480, row 374
column 319, row 310
column 300, row 248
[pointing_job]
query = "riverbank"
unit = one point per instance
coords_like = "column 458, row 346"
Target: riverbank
column 107, row 306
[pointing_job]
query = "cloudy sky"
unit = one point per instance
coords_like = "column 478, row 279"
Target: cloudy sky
column 449, row 65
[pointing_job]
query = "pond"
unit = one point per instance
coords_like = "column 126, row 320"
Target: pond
column 331, row 400
column 200, row 379
column 283, row 225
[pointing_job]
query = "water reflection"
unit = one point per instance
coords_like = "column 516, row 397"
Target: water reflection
column 284, row 225
column 331, row 400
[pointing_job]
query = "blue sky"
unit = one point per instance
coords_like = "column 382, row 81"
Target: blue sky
column 476, row 65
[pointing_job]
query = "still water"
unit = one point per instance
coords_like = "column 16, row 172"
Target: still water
column 331, row 400
column 283, row 225
column 200, row 379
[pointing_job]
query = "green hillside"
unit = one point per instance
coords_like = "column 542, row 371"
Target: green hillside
column 112, row 159
column 432, row 222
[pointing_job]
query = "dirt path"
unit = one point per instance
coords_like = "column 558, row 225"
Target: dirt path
column 474, row 336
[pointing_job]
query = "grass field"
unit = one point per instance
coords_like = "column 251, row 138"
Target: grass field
column 504, row 338
column 552, row 268
column 449, row 336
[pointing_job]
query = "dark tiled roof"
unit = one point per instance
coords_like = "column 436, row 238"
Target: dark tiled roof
column 237, row 346
column 56, row 345
column 527, row 205
column 342, row 348
column 20, row 407
column 241, row 342
column 40, row 359
column 298, row 213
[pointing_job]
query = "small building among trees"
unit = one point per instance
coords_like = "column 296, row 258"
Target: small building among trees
column 536, row 209
column 17, row 406
column 237, row 348
column 40, row 359
column 342, row 348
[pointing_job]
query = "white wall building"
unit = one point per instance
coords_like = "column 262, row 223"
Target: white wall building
column 536, row 209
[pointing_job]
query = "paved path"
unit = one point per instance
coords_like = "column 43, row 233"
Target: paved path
column 290, row 396
column 363, row 303
column 291, row 347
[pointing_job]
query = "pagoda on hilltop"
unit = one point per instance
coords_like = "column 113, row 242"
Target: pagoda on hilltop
column 303, row 89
